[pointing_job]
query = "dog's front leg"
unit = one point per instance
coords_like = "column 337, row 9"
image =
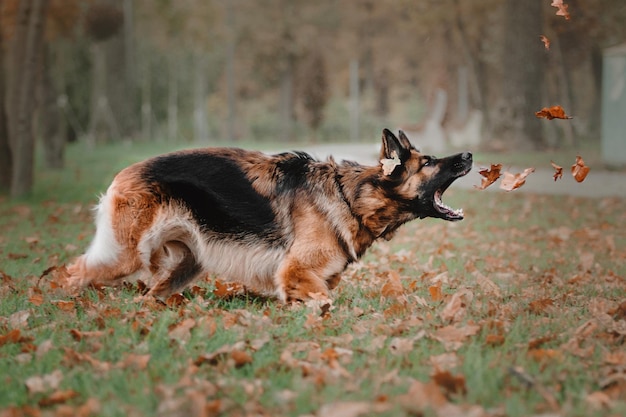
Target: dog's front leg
column 298, row 282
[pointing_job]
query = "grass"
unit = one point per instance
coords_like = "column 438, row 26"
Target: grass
column 548, row 338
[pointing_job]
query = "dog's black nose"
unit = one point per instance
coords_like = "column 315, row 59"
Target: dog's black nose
column 466, row 156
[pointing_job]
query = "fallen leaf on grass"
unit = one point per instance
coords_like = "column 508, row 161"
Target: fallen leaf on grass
column 393, row 286
column 182, row 331
column 452, row 384
column 511, row 182
column 80, row 335
column 240, row 357
column 11, row 337
column 455, row 308
column 43, row 383
column 422, row 396
column 445, row 361
column 435, row 292
column 453, row 337
column 554, row 112
column 491, row 174
column 579, row 169
column 67, row 306
column 558, row 171
column 228, row 290
column 546, row 42
column 540, row 306
column 562, row 8
column 58, row 397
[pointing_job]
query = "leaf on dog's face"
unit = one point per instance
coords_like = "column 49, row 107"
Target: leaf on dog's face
column 558, row 171
column 579, row 169
column 554, row 112
column 511, row 182
column 491, row 175
column 389, row 165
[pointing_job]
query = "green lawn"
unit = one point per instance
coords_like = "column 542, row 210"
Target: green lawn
column 518, row 310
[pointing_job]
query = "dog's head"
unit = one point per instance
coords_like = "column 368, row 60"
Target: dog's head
column 418, row 181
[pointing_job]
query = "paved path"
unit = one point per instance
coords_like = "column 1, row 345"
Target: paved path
column 597, row 184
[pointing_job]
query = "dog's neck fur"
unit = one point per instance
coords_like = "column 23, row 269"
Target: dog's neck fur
column 355, row 183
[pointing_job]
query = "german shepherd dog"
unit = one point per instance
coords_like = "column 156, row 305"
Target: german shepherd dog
column 284, row 226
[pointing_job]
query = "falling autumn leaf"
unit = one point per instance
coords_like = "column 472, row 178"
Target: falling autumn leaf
column 554, row 112
column 579, row 169
column 511, row 182
column 562, row 8
column 558, row 171
column 491, row 175
column 546, row 42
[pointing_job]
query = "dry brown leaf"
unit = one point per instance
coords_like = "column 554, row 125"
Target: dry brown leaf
column 182, row 330
column 452, row 384
column 554, row 112
column 393, row 286
column 512, row 182
column 43, row 383
column 579, row 169
column 562, row 8
column 58, row 397
column 490, row 175
column 558, row 171
column 64, row 305
column 435, row 292
column 240, row 357
column 453, row 337
column 135, row 361
column 494, row 339
column 539, row 306
column 422, row 396
column 228, row 290
column 454, row 310
column 546, row 42
column 11, row 337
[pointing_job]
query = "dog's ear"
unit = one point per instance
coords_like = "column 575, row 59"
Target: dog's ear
column 393, row 152
column 394, row 147
column 406, row 143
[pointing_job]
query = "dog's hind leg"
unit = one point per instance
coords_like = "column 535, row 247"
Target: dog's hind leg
column 107, row 259
column 174, row 266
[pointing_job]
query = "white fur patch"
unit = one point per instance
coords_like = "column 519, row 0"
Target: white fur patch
column 252, row 265
column 104, row 248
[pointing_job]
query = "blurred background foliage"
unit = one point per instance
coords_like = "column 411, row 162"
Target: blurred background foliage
column 227, row 71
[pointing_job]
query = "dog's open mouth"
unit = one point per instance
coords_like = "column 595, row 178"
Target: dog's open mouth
column 446, row 212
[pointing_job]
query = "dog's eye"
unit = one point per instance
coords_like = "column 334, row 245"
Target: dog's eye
column 427, row 162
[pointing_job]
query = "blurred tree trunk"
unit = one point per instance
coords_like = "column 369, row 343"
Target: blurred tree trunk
column 53, row 124
column 25, row 60
column 5, row 149
column 523, row 59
